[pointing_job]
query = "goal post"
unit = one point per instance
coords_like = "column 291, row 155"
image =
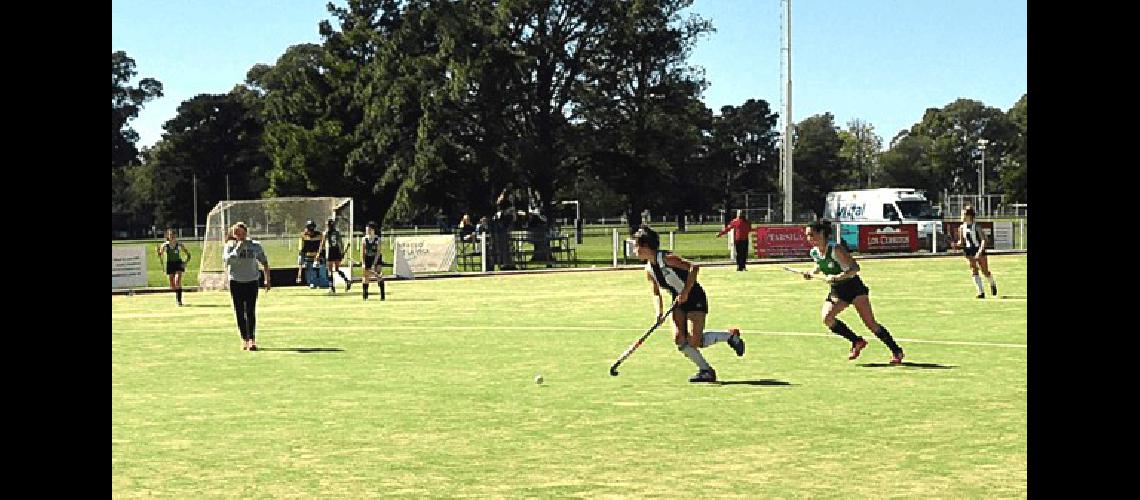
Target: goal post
column 277, row 224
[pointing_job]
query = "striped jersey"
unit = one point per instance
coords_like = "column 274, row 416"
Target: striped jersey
column 669, row 278
column 309, row 244
column 972, row 234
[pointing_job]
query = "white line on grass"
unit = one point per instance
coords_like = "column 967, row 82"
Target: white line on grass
column 606, row 329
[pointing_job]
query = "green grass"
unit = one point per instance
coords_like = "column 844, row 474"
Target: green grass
column 431, row 392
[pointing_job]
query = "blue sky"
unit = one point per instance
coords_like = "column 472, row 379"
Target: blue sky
column 882, row 61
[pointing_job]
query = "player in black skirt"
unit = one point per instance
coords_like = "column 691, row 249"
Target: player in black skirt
column 372, row 258
column 679, row 276
column 334, row 246
column 175, row 266
column 972, row 241
column 847, row 288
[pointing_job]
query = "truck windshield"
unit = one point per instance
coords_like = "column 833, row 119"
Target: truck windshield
column 916, row 209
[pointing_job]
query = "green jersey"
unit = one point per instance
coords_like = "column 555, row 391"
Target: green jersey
column 826, row 261
column 173, row 252
column 371, row 246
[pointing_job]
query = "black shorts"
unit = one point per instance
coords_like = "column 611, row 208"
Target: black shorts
column 971, row 252
column 697, row 302
column 175, row 267
column 335, row 255
column 847, row 290
column 369, row 260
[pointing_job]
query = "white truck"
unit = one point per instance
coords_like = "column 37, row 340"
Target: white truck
column 884, row 206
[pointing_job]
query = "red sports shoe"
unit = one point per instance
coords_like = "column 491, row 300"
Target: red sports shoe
column 896, row 359
column 856, row 348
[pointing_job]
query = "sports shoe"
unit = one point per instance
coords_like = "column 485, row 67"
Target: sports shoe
column 857, row 347
column 244, row 345
column 347, row 285
column 252, row 346
column 981, row 295
column 896, row 359
column 993, row 290
column 704, row 376
column 735, row 342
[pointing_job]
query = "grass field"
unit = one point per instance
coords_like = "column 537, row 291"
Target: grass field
column 431, row 393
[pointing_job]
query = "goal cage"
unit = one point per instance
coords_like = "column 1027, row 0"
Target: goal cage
column 276, row 223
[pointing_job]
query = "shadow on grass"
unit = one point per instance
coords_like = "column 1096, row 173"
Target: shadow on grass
column 301, row 349
column 1013, row 297
column 929, row 366
column 206, row 305
column 752, row 382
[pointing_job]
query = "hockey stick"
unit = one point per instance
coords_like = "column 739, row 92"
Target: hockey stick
column 629, row 351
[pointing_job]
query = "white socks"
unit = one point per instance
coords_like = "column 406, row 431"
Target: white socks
column 713, row 337
column 978, row 283
column 695, row 356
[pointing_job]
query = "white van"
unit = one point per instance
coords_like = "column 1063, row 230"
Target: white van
column 885, row 205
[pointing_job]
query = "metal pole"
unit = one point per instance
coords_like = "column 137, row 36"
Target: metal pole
column 672, row 247
column 194, row 182
column 1022, row 241
column 732, row 244
column 227, row 186
column 483, row 251
column 615, row 245
column 982, row 177
column 789, row 146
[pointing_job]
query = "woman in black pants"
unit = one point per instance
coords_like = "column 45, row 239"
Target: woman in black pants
column 241, row 257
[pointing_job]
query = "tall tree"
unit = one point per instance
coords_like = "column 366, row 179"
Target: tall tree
column 126, row 102
column 1014, row 166
column 742, row 151
column 218, row 138
column 908, row 164
column 818, row 166
column 861, row 149
column 641, row 109
column 955, row 154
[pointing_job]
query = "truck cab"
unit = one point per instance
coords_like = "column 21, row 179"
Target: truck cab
column 885, row 206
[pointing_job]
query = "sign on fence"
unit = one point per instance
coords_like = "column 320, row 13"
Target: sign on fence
column 423, row 254
column 888, row 238
column 1003, row 235
column 128, row 267
column 781, row 241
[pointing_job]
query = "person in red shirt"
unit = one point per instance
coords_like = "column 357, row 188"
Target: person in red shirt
column 742, row 227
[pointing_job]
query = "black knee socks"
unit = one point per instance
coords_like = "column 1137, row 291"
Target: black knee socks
column 841, row 329
column 885, row 336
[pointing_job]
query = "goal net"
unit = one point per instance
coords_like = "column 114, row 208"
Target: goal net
column 276, row 223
